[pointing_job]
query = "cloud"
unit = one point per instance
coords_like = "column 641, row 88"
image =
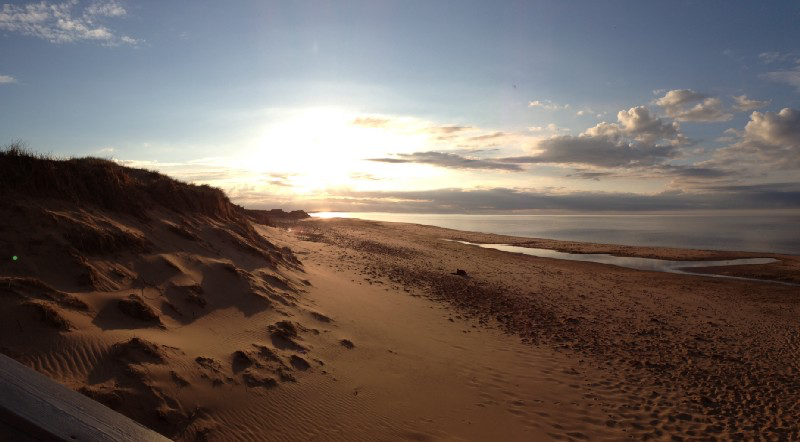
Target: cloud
column 771, row 192
column 640, row 124
column 677, row 104
column 7, row 79
column 683, row 174
column 678, row 97
column 790, row 77
column 428, row 136
column 708, row 111
column 770, row 141
column 449, row 134
column 447, row 130
column 595, row 151
column 63, row 22
column 638, row 146
column 549, row 128
column 371, row 122
column 278, row 182
column 691, row 171
column 588, row 111
column 280, row 179
column 774, row 129
column 448, row 160
column 745, row 104
column 638, row 139
column 590, row 174
column 195, row 171
column 106, row 9
column 490, row 136
column 364, row 176
column 774, row 56
column 547, row 105
column 455, row 200
column 769, row 57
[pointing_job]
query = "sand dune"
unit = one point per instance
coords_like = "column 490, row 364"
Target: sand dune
column 169, row 305
column 147, row 306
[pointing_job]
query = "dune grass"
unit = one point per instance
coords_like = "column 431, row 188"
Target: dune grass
column 105, row 184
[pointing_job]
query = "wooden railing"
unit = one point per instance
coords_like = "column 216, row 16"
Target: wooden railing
column 34, row 407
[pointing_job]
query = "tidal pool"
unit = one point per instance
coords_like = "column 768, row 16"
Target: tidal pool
column 657, row 265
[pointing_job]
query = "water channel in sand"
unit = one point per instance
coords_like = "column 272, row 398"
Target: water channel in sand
column 650, row 264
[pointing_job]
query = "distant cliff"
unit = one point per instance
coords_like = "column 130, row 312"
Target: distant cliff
column 275, row 216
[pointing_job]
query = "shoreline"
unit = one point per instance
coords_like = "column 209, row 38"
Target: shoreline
column 541, row 227
column 786, row 269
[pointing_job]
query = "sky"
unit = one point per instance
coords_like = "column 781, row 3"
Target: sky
column 419, row 106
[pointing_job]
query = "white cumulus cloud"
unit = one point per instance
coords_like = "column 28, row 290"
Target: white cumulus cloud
column 691, row 106
column 679, row 97
column 770, row 141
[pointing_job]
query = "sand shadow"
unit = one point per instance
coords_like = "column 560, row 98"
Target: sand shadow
column 129, row 313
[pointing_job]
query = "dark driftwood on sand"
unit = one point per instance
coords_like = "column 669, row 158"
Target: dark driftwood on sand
column 34, row 407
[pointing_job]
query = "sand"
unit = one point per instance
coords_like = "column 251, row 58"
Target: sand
column 207, row 329
column 657, row 354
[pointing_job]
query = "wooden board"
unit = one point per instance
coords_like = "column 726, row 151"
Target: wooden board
column 34, row 406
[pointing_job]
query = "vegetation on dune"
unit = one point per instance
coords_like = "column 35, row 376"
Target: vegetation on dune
column 105, row 184
column 275, row 217
column 88, row 184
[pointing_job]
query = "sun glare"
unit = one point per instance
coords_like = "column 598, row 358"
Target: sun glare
column 323, row 148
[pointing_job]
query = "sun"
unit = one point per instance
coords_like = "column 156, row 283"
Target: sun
column 324, row 147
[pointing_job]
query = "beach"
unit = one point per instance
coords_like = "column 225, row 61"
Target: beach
column 380, row 221
column 649, row 354
column 206, row 326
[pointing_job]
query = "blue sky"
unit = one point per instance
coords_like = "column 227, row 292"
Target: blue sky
column 420, row 106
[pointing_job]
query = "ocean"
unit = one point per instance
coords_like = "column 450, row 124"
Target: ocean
column 749, row 232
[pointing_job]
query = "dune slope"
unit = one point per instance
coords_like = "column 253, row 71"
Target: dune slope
column 127, row 286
